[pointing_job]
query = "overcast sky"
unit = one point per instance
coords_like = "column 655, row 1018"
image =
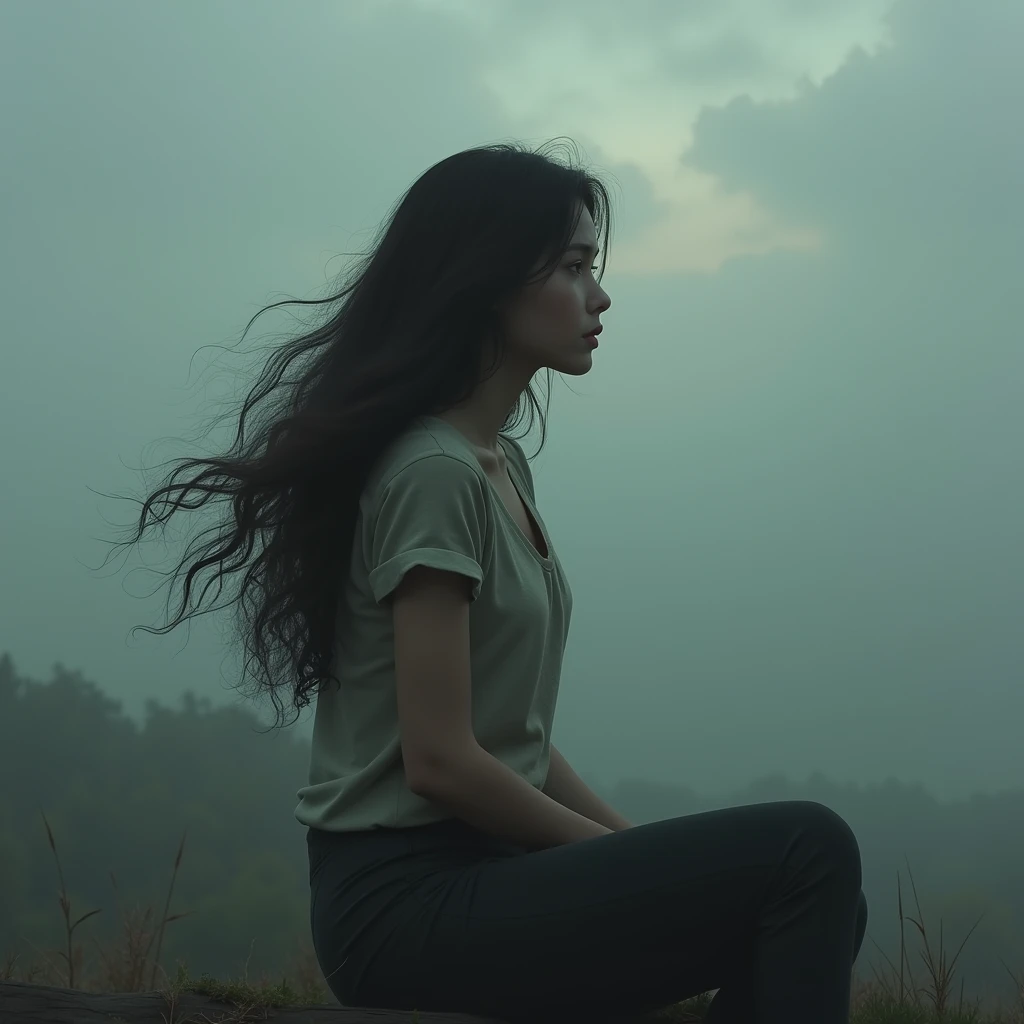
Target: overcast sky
column 789, row 495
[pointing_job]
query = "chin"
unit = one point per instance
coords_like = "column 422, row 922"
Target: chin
column 579, row 366
column 578, row 371
column 574, row 364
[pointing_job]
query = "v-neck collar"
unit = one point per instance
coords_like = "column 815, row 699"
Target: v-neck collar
column 518, row 485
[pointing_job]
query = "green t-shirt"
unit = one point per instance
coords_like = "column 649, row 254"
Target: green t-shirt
column 429, row 502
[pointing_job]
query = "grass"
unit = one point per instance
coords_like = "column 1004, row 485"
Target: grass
column 893, row 997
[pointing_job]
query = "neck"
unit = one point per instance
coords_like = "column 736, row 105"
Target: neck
column 484, row 413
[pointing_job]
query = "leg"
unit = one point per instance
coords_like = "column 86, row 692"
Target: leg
column 734, row 1000
column 764, row 897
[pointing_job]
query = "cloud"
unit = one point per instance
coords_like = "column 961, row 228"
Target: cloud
column 629, row 81
column 729, row 57
column 917, row 145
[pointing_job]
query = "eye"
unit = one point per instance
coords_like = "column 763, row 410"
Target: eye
column 579, row 263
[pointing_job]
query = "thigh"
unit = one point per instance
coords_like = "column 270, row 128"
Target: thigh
column 658, row 912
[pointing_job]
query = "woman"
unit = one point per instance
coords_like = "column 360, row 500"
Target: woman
column 405, row 575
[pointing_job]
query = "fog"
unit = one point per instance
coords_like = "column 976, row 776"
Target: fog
column 789, row 496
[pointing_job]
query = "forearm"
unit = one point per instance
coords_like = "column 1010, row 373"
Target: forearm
column 490, row 796
column 568, row 789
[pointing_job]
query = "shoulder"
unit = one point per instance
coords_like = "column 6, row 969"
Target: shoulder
column 421, row 459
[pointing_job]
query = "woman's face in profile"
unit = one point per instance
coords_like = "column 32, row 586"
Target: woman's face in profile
column 547, row 324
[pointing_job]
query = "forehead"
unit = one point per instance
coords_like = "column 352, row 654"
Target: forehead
column 585, row 231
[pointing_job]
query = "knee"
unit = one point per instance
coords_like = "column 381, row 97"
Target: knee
column 832, row 836
column 862, row 923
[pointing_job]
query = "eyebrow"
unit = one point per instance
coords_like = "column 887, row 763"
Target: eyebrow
column 584, row 247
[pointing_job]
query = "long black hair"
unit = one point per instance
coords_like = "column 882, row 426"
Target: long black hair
column 406, row 341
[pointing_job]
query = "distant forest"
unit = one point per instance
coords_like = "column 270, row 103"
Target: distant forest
column 119, row 797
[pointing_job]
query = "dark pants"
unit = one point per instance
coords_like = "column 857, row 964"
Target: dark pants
column 762, row 902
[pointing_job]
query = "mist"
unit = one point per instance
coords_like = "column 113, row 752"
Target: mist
column 789, row 496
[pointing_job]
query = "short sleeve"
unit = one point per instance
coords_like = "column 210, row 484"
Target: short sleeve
column 433, row 512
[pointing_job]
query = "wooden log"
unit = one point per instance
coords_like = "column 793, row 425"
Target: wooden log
column 22, row 1003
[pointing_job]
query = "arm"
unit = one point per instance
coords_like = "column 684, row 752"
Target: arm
column 568, row 789
column 443, row 761
column 483, row 791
